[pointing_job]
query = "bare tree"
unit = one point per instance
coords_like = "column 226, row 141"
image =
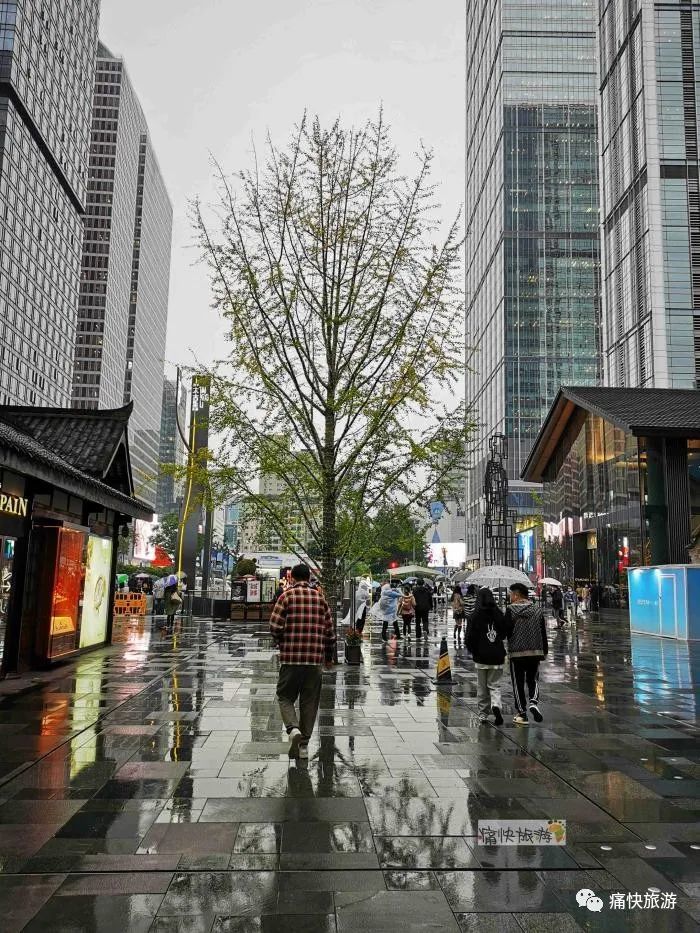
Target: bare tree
column 346, row 329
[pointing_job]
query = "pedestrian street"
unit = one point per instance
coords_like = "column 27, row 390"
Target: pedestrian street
column 148, row 788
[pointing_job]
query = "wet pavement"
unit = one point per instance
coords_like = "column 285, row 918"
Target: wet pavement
column 149, row 788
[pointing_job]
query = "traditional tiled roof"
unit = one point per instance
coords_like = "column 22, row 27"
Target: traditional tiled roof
column 31, row 441
column 641, row 412
column 87, row 439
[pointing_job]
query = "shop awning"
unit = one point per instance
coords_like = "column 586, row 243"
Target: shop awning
column 640, row 412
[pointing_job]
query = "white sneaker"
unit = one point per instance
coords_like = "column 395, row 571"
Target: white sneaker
column 295, row 738
column 303, row 752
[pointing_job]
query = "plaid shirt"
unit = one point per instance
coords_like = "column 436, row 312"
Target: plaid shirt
column 302, row 624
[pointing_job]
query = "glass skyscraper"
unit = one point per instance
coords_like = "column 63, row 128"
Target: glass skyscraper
column 171, row 447
column 533, row 306
column 47, row 58
column 122, row 320
column 649, row 69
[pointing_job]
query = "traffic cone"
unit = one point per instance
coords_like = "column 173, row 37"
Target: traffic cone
column 444, row 670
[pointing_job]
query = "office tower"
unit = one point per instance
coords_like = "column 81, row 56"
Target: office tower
column 47, row 57
column 649, row 66
column 122, row 318
column 232, row 526
column 171, row 446
column 532, row 247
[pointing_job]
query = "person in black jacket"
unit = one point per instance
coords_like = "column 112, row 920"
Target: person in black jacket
column 486, row 630
column 558, row 606
column 527, row 646
column 424, row 603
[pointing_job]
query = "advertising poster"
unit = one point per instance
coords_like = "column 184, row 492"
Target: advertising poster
column 238, row 591
column 449, row 554
column 68, row 585
column 144, row 548
column 253, row 591
column 98, row 564
column 526, row 548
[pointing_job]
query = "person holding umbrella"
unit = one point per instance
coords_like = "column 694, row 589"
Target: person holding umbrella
column 171, row 602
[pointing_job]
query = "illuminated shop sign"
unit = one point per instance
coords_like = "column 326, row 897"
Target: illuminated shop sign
column 13, row 505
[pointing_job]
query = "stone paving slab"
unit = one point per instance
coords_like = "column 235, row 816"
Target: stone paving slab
column 156, row 793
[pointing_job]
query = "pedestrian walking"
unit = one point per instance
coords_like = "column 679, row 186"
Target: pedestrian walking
column 457, row 606
column 302, row 625
column 363, row 600
column 171, row 602
column 407, row 611
column 558, row 606
column 469, row 600
column 424, row 601
column 387, row 608
column 487, row 628
column 527, row 646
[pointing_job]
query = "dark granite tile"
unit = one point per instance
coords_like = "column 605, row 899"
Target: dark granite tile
column 190, row 838
column 398, row 880
column 548, row 923
column 398, row 912
column 258, row 838
column 525, row 857
column 22, row 896
column 299, row 923
column 109, row 913
column 414, row 852
column 129, row 882
column 221, row 894
column 488, row 923
column 477, row 891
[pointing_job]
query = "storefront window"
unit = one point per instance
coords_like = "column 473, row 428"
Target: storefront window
column 593, row 508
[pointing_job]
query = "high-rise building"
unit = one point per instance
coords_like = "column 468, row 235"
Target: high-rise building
column 122, row 320
column 47, row 57
column 171, row 446
column 532, row 244
column 232, row 526
column 649, row 66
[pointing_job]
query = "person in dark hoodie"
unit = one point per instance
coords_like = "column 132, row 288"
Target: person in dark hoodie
column 487, row 627
column 527, row 646
column 424, row 603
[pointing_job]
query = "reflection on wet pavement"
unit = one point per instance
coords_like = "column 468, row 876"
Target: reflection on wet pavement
column 148, row 788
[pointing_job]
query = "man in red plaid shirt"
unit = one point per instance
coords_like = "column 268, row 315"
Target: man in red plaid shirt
column 302, row 625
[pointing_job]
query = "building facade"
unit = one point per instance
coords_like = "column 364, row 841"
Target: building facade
column 649, row 66
column 171, row 448
column 122, row 319
column 47, row 57
column 621, row 473
column 533, row 306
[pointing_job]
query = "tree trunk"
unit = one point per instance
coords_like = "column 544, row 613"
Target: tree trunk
column 329, row 544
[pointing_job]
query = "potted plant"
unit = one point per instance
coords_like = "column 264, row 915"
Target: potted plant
column 353, row 646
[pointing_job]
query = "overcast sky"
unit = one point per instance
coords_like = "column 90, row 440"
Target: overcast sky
column 214, row 74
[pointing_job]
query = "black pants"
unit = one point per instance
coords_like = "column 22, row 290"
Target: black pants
column 422, row 621
column 525, row 672
column 360, row 623
column 299, row 682
column 385, row 626
column 407, row 624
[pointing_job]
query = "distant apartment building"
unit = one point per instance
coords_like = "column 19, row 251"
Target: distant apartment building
column 123, row 310
column 171, row 451
column 47, row 59
column 232, row 524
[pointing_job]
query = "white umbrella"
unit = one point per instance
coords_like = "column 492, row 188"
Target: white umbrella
column 550, row 581
column 498, row 575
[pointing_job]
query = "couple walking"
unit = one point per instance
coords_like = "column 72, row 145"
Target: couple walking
column 523, row 626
